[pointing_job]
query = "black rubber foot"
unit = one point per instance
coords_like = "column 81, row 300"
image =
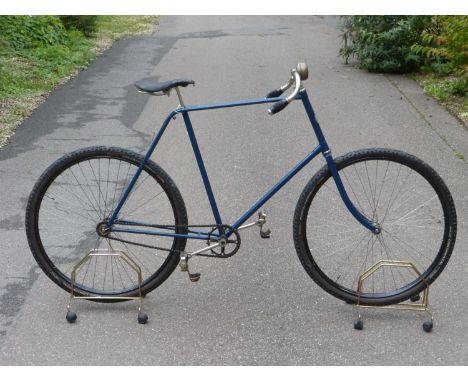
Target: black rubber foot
column 194, row 277
column 358, row 325
column 71, row 317
column 427, row 326
column 415, row 298
column 142, row 318
column 265, row 234
column 350, row 303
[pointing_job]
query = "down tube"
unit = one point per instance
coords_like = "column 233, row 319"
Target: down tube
column 277, row 187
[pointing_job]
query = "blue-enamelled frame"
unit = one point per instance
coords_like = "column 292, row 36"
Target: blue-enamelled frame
column 116, row 225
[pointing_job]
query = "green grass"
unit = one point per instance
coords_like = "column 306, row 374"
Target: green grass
column 450, row 90
column 39, row 69
column 28, row 75
column 459, row 155
column 116, row 27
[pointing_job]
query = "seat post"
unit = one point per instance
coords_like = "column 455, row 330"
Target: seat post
column 180, row 97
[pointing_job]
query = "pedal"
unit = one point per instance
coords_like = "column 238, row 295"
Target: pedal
column 264, row 233
column 194, row 277
column 183, row 263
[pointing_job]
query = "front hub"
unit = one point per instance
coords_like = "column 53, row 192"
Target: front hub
column 377, row 229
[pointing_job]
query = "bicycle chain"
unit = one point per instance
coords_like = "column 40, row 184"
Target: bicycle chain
column 212, row 226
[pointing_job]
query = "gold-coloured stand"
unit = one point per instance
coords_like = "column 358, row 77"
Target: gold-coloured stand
column 71, row 316
column 422, row 306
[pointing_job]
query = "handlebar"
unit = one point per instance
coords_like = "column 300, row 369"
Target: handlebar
column 301, row 72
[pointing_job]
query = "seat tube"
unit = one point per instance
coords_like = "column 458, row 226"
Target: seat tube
column 201, row 166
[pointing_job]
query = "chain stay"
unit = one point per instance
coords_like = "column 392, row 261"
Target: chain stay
column 213, row 227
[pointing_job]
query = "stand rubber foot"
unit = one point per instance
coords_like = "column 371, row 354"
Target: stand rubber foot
column 265, row 234
column 71, row 317
column 427, row 326
column 142, row 318
column 358, row 325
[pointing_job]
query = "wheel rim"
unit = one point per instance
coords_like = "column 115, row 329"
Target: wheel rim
column 82, row 195
column 402, row 201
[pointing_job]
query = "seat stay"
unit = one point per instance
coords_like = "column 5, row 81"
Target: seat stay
column 148, row 154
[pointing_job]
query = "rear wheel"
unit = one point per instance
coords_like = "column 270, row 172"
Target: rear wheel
column 69, row 204
column 402, row 194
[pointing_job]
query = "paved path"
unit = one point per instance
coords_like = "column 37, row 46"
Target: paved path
column 258, row 307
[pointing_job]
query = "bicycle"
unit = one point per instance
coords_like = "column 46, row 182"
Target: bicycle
column 381, row 204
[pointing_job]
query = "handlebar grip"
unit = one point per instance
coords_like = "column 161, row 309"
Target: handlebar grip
column 278, row 106
column 274, row 93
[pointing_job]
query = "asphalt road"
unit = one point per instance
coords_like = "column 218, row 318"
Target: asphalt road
column 258, row 307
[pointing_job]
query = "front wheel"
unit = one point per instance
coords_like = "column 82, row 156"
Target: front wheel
column 399, row 192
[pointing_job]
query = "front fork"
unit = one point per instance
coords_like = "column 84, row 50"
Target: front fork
column 371, row 226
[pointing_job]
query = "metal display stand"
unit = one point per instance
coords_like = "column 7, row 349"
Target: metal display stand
column 71, row 316
column 422, row 306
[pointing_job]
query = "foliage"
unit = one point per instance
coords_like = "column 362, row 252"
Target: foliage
column 444, row 88
column 444, row 44
column 383, row 43
column 443, row 47
column 86, row 24
column 37, row 53
column 451, row 90
column 23, row 32
column 39, row 69
column 436, row 46
column 116, row 27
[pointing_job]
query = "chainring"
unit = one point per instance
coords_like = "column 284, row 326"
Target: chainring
column 232, row 245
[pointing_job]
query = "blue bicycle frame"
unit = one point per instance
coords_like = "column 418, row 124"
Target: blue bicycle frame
column 322, row 147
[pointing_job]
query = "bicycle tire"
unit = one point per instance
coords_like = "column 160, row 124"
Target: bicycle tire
column 319, row 266
column 57, row 177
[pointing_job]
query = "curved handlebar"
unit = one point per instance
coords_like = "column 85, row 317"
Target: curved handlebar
column 278, row 106
column 300, row 73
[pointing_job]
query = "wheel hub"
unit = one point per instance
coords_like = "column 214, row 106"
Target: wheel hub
column 102, row 229
column 377, row 229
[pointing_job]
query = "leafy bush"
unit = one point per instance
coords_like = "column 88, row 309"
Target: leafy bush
column 85, row 24
column 444, row 43
column 22, row 32
column 383, row 43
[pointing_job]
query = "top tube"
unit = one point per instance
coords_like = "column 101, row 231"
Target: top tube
column 228, row 104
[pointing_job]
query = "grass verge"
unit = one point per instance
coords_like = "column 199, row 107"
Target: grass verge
column 450, row 91
column 29, row 75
